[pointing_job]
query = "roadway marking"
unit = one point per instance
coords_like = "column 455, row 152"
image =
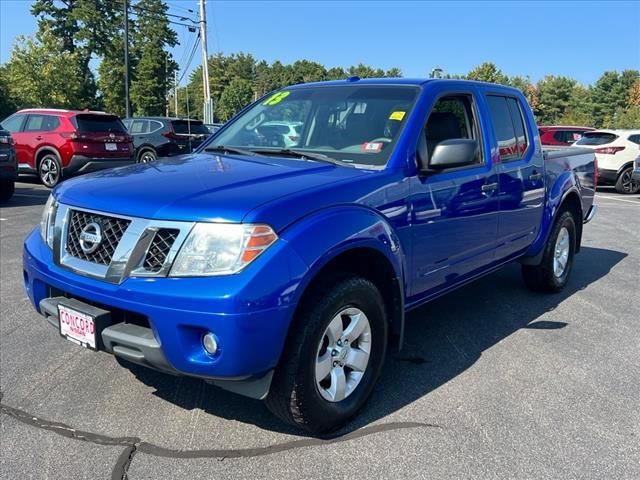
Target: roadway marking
column 619, row 200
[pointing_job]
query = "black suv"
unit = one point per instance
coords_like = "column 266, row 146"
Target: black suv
column 8, row 166
column 155, row 137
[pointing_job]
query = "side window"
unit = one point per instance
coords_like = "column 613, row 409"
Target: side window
column 451, row 117
column 154, row 126
column 139, row 127
column 518, row 123
column 509, row 127
column 14, row 123
column 35, row 123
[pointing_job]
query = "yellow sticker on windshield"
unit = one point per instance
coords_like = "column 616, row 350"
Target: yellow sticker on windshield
column 397, row 116
column 276, row 98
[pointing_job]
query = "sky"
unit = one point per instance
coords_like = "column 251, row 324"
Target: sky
column 580, row 39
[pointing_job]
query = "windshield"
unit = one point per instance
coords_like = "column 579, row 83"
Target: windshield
column 351, row 123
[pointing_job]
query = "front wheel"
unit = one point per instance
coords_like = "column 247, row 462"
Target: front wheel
column 333, row 356
column 553, row 272
column 625, row 183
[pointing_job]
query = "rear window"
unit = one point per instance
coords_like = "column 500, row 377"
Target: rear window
column 635, row 139
column 184, row 127
column 596, row 138
column 98, row 123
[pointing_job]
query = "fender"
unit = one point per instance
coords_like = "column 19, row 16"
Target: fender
column 565, row 185
column 324, row 235
column 48, row 148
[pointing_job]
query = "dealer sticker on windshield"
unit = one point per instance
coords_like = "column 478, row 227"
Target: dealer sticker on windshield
column 372, row 147
column 276, row 98
column 399, row 115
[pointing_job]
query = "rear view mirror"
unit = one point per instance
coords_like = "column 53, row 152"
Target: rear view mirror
column 452, row 153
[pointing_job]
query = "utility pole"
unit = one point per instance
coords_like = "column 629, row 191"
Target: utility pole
column 175, row 90
column 208, row 106
column 126, row 59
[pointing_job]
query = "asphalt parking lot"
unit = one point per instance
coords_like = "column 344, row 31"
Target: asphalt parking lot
column 494, row 382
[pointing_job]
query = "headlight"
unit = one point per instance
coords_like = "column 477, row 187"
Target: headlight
column 47, row 221
column 221, row 248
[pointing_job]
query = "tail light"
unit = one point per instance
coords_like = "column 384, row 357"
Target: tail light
column 171, row 135
column 70, row 136
column 609, row 150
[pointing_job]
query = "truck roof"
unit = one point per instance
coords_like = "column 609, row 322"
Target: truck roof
column 401, row 81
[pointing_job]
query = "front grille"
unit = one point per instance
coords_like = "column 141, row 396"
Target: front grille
column 159, row 249
column 112, row 231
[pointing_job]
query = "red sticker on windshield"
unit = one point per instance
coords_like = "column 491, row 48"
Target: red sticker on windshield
column 372, row 147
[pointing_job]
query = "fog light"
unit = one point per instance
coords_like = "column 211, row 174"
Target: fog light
column 209, row 343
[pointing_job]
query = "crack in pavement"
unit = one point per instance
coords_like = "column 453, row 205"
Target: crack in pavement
column 133, row 445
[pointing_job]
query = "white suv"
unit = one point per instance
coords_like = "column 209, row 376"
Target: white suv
column 616, row 152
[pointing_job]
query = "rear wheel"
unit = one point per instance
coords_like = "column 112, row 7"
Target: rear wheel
column 147, row 156
column 553, row 272
column 7, row 187
column 625, row 184
column 49, row 170
column 333, row 356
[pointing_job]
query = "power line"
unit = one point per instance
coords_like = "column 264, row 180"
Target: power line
column 193, row 52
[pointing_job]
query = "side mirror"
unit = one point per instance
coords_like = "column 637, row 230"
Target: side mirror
column 452, row 153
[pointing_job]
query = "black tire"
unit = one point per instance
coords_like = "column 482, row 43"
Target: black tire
column 294, row 396
column 49, row 170
column 7, row 187
column 625, row 184
column 147, row 155
column 542, row 277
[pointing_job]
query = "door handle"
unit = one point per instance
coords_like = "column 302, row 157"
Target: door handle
column 535, row 176
column 39, row 137
column 487, row 187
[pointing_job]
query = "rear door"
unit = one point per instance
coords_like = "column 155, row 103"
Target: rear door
column 454, row 211
column 39, row 132
column 520, row 174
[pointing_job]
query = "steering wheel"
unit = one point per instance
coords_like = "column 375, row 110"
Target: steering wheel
column 381, row 139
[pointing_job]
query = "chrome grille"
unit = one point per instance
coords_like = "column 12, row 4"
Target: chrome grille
column 159, row 249
column 112, row 231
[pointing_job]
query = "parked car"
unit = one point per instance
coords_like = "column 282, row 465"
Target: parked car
column 213, row 127
column 285, row 274
column 155, row 137
column 635, row 176
column 561, row 136
column 616, row 152
column 280, row 134
column 55, row 144
column 8, row 166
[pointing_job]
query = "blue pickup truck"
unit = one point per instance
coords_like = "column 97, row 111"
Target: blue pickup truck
column 281, row 266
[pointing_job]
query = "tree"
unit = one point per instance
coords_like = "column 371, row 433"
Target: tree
column 554, row 95
column 628, row 118
column 336, row 73
column 393, row 72
column 155, row 66
column 7, row 105
column 610, row 94
column 238, row 94
column 86, row 29
column 41, row 73
column 633, row 96
column 111, row 78
column 488, row 72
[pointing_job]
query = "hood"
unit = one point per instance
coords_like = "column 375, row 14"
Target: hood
column 200, row 187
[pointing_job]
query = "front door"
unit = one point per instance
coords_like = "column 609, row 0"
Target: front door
column 455, row 211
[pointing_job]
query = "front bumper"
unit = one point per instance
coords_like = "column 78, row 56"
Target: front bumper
column 249, row 314
column 82, row 164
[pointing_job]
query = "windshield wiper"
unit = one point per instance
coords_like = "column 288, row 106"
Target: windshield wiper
column 239, row 151
column 320, row 157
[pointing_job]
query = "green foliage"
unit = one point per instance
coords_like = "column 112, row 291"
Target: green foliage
column 151, row 37
column 488, row 72
column 628, row 118
column 238, row 94
column 555, row 96
column 42, row 73
column 7, row 105
column 111, row 78
column 609, row 95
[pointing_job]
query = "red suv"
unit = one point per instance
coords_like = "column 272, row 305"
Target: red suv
column 59, row 143
column 561, row 136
